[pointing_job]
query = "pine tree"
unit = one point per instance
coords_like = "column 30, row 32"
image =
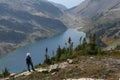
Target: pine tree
column 70, row 44
column 66, row 45
column 80, row 40
column 5, row 72
column 47, row 58
column 69, row 40
column 84, row 42
column 58, row 55
column 93, row 48
column 46, row 50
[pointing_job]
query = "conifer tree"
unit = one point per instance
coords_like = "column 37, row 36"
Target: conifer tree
column 70, row 44
column 80, row 40
column 59, row 52
column 93, row 48
column 47, row 59
column 69, row 40
column 5, row 72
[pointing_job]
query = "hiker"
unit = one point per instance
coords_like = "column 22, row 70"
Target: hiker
column 29, row 62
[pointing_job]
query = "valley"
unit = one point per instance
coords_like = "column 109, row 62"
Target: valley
column 23, row 25
column 87, row 34
column 102, row 18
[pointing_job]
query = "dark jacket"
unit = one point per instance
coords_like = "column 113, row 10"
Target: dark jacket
column 28, row 60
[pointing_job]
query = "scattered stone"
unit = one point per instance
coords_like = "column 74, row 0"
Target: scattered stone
column 110, row 65
column 12, row 76
column 53, row 73
column 23, row 74
column 6, row 79
column 63, row 65
column 53, row 68
column 91, row 58
column 70, row 61
column 118, row 62
column 42, row 70
column 84, row 79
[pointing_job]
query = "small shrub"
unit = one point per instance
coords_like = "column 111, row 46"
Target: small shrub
column 5, row 72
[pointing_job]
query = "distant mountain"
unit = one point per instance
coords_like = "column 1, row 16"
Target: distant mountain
column 91, row 8
column 35, row 7
column 27, row 17
column 60, row 6
column 28, row 20
column 101, row 17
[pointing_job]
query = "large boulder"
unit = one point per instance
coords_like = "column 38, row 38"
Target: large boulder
column 54, row 68
column 70, row 61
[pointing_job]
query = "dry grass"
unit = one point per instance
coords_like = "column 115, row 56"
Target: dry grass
column 99, row 66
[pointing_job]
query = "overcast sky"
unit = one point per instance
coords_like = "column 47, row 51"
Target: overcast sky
column 68, row 3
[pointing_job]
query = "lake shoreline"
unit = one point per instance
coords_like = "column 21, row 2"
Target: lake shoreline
column 37, row 50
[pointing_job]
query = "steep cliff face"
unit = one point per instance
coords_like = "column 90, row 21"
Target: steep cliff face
column 102, row 17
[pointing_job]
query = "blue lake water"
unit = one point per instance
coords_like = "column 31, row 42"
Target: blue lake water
column 15, row 61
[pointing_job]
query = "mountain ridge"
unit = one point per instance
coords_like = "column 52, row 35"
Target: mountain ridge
column 102, row 18
column 25, row 21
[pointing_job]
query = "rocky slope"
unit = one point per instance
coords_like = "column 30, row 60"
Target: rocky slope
column 85, row 68
column 101, row 17
column 23, row 21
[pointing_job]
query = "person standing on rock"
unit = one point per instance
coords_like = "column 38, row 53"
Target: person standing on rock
column 29, row 62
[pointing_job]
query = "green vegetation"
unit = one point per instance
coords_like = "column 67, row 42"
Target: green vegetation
column 118, row 47
column 5, row 73
column 47, row 58
column 84, row 48
column 84, row 66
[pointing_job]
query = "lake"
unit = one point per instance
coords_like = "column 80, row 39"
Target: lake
column 15, row 61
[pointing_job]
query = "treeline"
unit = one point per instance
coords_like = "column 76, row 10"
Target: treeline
column 86, row 46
